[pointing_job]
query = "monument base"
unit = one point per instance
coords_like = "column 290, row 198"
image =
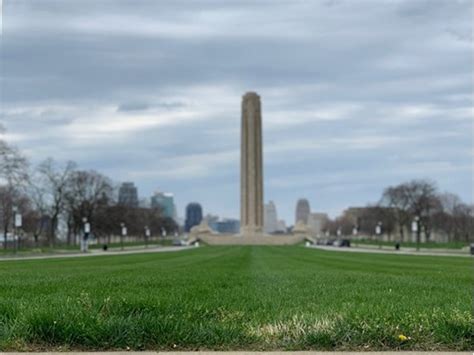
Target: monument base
column 249, row 239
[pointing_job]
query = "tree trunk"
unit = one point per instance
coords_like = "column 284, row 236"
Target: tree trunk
column 5, row 239
column 52, row 235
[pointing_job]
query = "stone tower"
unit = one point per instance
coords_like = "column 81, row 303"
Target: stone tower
column 251, row 168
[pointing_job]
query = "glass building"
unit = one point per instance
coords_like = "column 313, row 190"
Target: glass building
column 193, row 216
column 165, row 202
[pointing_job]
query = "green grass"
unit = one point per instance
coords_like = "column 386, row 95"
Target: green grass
column 428, row 245
column 239, row 298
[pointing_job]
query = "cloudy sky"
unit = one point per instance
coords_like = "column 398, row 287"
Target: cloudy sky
column 356, row 94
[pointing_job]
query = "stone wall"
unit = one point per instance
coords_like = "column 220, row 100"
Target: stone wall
column 224, row 239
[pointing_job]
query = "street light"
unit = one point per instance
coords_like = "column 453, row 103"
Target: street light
column 355, row 231
column 18, row 222
column 123, row 234
column 415, row 228
column 378, row 232
column 147, row 235
column 87, row 231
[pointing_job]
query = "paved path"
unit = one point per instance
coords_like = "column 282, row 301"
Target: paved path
column 257, row 353
column 384, row 251
column 98, row 252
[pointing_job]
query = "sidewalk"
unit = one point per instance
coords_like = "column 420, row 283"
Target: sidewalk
column 97, row 252
column 385, row 251
column 257, row 353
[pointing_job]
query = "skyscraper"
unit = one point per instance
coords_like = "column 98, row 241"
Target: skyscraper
column 128, row 195
column 302, row 211
column 193, row 216
column 251, row 169
column 271, row 218
column 165, row 202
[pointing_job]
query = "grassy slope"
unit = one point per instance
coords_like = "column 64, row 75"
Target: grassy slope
column 237, row 298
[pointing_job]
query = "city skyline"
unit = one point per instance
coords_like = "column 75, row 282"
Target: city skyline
column 113, row 101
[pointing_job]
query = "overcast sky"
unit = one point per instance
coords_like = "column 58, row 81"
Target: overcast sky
column 356, row 94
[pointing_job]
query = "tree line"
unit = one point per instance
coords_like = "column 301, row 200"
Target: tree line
column 416, row 201
column 54, row 197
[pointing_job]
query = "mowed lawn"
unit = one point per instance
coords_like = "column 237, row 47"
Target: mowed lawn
column 262, row 298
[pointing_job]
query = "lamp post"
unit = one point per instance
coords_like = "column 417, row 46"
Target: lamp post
column 18, row 222
column 355, row 231
column 163, row 235
column 415, row 228
column 147, row 235
column 85, row 238
column 123, row 234
column 378, row 233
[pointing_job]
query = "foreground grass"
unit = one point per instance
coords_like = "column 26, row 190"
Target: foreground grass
column 237, row 298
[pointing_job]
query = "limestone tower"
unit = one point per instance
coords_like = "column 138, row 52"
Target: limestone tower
column 251, row 168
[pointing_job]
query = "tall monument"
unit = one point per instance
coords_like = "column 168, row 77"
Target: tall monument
column 251, row 190
column 251, row 168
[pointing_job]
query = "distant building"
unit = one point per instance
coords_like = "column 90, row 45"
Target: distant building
column 302, row 211
column 225, row 225
column 281, row 226
column 144, row 203
column 270, row 218
column 317, row 222
column 165, row 202
column 355, row 214
column 229, row 226
column 128, row 195
column 193, row 216
column 212, row 221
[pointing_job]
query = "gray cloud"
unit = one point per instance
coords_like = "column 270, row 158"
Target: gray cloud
column 133, row 106
column 356, row 95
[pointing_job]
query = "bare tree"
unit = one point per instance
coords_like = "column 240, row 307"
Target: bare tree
column 424, row 203
column 55, row 180
column 13, row 179
column 455, row 219
column 417, row 198
column 13, row 166
column 398, row 199
column 87, row 193
column 38, row 218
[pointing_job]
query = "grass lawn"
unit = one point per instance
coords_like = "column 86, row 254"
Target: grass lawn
column 239, row 298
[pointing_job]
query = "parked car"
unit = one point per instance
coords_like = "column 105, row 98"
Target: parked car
column 342, row 243
column 346, row 243
column 179, row 243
